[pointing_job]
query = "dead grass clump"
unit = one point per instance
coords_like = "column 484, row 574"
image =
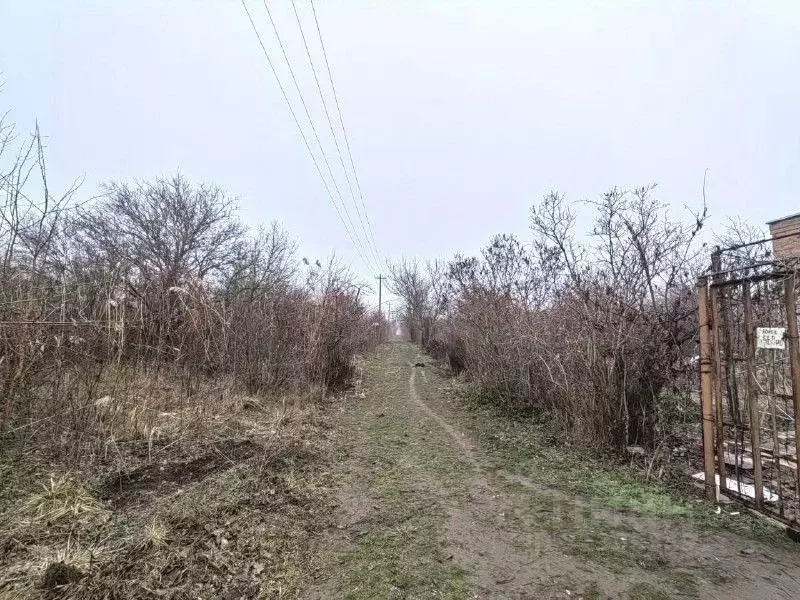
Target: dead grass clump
column 247, row 529
column 61, row 503
column 155, row 534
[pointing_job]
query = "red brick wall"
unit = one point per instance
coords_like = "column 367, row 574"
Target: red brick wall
column 787, row 247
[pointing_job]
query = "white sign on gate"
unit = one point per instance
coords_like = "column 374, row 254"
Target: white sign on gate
column 771, row 337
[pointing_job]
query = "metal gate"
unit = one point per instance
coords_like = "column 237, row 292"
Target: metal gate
column 750, row 381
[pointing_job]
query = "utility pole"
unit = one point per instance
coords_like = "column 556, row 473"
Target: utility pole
column 380, row 308
column 380, row 283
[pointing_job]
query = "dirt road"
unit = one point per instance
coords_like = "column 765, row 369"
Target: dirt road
column 433, row 502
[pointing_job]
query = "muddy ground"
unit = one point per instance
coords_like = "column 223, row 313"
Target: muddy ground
column 400, row 489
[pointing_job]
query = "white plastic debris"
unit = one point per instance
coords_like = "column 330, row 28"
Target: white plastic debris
column 745, row 489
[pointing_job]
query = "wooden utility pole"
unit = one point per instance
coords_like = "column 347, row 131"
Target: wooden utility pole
column 381, row 327
column 380, row 285
column 706, row 387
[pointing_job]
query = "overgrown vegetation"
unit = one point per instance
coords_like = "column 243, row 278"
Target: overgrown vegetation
column 159, row 369
column 235, row 516
column 152, row 298
column 162, row 370
column 597, row 333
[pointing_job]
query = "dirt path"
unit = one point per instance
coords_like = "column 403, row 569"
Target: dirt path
column 425, row 512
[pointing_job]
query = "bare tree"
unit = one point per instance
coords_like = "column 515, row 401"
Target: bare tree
column 161, row 236
column 262, row 264
column 742, row 236
column 168, row 230
column 408, row 281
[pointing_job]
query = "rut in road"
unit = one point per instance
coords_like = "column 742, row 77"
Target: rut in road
column 424, row 511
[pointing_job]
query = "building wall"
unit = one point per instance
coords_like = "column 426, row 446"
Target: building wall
column 787, row 247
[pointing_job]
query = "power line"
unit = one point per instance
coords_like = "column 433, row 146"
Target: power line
column 302, row 134
column 368, row 231
column 364, row 247
column 311, row 121
column 341, row 120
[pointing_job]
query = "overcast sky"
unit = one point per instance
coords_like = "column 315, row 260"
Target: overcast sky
column 459, row 115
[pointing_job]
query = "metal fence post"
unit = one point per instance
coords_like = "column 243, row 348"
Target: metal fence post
column 716, row 339
column 794, row 359
column 752, row 393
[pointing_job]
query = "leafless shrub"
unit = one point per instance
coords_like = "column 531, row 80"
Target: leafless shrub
column 743, row 237
column 594, row 333
column 152, row 300
column 169, row 240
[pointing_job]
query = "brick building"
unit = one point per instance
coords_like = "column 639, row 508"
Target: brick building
column 786, row 236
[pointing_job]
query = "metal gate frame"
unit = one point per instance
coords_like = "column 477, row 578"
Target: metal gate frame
column 730, row 362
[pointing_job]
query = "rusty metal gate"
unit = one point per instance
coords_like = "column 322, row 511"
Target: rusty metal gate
column 750, row 381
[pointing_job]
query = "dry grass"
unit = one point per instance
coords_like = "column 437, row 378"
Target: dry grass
column 215, row 491
column 62, row 502
column 135, row 375
column 155, row 534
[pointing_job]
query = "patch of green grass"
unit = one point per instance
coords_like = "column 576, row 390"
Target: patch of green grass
column 397, row 549
column 398, row 561
column 397, row 552
column 523, row 446
column 623, row 491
